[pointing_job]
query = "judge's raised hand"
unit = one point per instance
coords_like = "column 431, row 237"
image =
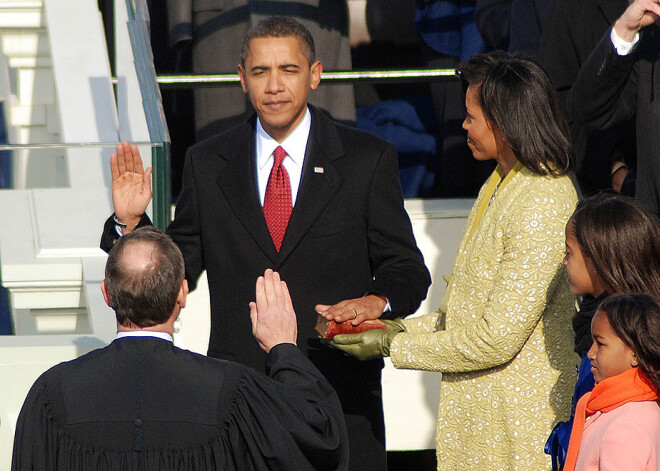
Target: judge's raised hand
column 131, row 185
column 639, row 14
column 272, row 315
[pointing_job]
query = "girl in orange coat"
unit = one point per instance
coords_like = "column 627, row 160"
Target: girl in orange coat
column 617, row 425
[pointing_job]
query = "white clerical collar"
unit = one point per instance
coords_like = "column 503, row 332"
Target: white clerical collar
column 295, row 144
column 144, row 333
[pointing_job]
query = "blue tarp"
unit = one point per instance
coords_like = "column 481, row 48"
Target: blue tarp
column 409, row 124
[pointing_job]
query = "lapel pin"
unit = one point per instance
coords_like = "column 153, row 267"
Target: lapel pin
column 318, row 169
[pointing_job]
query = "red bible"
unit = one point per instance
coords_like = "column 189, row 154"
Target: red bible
column 328, row 329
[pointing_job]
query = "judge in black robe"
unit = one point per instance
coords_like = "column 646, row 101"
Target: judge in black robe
column 143, row 404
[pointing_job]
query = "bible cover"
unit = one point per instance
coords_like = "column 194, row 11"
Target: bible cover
column 328, row 329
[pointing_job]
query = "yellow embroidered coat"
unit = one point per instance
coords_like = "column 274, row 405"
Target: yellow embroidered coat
column 506, row 352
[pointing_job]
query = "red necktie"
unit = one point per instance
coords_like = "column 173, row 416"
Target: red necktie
column 277, row 202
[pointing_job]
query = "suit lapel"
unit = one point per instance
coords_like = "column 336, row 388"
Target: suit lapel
column 237, row 181
column 319, row 183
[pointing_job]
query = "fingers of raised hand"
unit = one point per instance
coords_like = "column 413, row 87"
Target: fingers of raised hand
column 253, row 316
column 277, row 290
column 127, row 151
column 269, row 288
column 137, row 160
column 288, row 304
column 128, row 159
column 114, row 167
column 260, row 294
column 121, row 159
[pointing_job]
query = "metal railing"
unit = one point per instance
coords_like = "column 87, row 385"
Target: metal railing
column 342, row 76
column 138, row 21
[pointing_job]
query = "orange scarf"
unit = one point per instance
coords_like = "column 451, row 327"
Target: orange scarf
column 630, row 386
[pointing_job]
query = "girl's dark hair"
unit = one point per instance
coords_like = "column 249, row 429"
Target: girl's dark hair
column 517, row 96
column 622, row 240
column 635, row 318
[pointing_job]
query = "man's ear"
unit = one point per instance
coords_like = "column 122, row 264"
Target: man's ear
column 316, row 69
column 241, row 74
column 183, row 293
column 106, row 295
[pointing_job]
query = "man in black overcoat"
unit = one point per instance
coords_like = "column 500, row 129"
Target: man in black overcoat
column 620, row 81
column 142, row 403
column 348, row 249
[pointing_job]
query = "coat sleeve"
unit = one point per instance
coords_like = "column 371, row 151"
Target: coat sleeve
column 527, row 277
column 289, row 420
column 605, row 91
column 110, row 236
column 397, row 263
column 185, row 229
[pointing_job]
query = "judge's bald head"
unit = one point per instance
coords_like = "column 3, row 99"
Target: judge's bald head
column 143, row 276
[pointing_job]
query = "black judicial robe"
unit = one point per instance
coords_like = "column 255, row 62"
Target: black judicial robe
column 143, row 404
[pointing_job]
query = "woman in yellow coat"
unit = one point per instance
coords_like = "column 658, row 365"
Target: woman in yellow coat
column 502, row 336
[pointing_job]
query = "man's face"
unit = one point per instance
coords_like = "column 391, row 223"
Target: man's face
column 277, row 77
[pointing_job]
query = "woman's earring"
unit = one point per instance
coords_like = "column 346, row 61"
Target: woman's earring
column 634, row 361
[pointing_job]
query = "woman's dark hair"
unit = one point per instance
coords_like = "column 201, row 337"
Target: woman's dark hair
column 622, row 240
column 635, row 318
column 517, row 96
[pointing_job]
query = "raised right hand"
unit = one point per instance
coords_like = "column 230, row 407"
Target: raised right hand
column 131, row 185
column 272, row 314
column 639, row 14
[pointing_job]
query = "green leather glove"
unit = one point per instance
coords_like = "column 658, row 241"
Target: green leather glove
column 371, row 344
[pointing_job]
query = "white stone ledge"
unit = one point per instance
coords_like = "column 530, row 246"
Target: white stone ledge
column 27, row 115
column 438, row 209
column 23, row 18
column 36, row 86
column 29, row 62
column 45, row 298
column 28, row 43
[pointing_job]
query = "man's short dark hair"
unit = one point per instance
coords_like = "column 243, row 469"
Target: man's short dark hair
column 280, row 27
column 147, row 296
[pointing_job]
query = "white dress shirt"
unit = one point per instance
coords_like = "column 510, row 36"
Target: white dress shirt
column 295, row 145
column 621, row 46
column 144, row 333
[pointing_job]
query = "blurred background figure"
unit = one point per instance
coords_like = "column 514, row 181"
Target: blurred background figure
column 571, row 31
column 449, row 35
column 512, row 25
column 618, row 82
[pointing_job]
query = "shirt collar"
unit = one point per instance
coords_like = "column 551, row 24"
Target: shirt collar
column 295, row 144
column 144, row 333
